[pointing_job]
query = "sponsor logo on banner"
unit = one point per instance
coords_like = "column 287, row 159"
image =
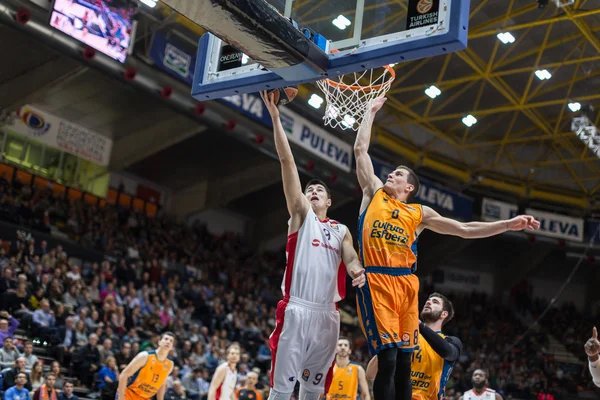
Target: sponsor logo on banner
column 434, row 195
column 174, row 57
column 422, row 13
column 558, row 226
column 300, row 131
column 63, row 135
column 494, row 210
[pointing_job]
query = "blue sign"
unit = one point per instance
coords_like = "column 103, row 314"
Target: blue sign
column 441, row 199
column 592, row 227
column 251, row 105
column 173, row 57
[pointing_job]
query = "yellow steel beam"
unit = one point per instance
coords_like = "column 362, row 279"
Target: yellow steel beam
column 494, row 21
column 552, row 88
column 452, row 98
column 571, row 84
column 408, row 74
column 477, row 9
column 584, row 28
column 514, row 71
column 505, row 138
column 516, row 27
column 546, row 163
column 475, row 106
column 509, row 108
column 550, row 45
column 570, row 169
column 439, row 79
column 537, row 61
column 543, row 83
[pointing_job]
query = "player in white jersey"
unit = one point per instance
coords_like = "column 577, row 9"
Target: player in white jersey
column 480, row 390
column 222, row 385
column 304, row 342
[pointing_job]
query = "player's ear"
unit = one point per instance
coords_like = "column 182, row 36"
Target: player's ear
column 444, row 314
column 328, row 203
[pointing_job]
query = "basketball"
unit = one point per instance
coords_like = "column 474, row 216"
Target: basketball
column 284, row 95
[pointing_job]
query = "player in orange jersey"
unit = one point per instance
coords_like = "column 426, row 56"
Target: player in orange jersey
column 388, row 231
column 432, row 363
column 349, row 379
column 147, row 373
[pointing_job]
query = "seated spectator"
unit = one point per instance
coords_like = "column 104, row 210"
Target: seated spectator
column 125, row 356
column 173, row 377
column 88, row 361
column 105, row 350
column 204, row 383
column 46, row 391
column 36, row 298
column 8, row 354
column 66, row 343
column 191, row 383
column 28, row 355
column 37, row 375
column 55, row 369
column 177, row 392
column 9, row 377
column 17, row 301
column 44, row 320
column 81, row 337
column 109, row 373
column 8, row 325
column 18, row 391
column 67, row 392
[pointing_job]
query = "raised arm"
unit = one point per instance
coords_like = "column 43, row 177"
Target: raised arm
column 217, row 380
column 592, row 349
column 473, row 230
column 138, row 362
column 353, row 265
column 369, row 183
column 297, row 203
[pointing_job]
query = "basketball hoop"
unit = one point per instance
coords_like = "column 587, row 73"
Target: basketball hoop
column 348, row 102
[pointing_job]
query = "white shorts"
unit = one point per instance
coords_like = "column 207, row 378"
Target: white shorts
column 303, row 345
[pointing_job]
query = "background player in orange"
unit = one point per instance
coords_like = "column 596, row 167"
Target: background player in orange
column 432, row 363
column 222, row 385
column 349, row 379
column 146, row 375
column 388, row 231
column 249, row 392
column 480, row 390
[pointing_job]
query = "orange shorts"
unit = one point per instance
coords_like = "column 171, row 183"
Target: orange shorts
column 388, row 309
column 131, row 395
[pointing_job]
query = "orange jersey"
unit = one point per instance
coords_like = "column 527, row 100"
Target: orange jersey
column 388, row 233
column 146, row 381
column 429, row 372
column 344, row 384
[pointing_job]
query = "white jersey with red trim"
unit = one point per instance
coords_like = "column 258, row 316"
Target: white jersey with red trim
column 487, row 394
column 314, row 270
column 227, row 388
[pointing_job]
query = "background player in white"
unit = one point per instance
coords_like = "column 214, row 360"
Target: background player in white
column 480, row 390
column 592, row 349
column 222, row 385
column 304, row 342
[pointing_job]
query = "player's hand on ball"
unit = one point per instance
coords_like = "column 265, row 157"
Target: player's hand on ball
column 521, row 222
column 358, row 277
column 592, row 346
column 269, row 100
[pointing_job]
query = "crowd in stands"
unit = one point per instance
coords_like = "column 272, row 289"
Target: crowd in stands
column 210, row 290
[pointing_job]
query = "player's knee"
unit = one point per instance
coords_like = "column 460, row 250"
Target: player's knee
column 275, row 395
column 386, row 362
column 306, row 395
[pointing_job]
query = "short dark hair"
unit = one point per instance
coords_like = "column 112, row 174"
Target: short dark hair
column 446, row 306
column 346, row 339
column 168, row 333
column 50, row 374
column 318, row 182
column 413, row 179
column 21, row 373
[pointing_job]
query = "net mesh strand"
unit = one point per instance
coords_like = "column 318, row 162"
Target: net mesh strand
column 347, row 103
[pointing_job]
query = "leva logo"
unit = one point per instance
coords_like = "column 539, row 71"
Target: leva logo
column 35, row 122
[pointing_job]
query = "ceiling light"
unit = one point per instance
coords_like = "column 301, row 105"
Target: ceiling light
column 315, row 101
column 245, row 59
column 149, row 3
column 348, row 121
column 574, row 106
column 469, row 120
column 341, row 22
column 543, row 74
column 506, row 37
column 433, row 92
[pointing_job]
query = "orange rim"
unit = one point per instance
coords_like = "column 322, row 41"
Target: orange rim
column 365, row 88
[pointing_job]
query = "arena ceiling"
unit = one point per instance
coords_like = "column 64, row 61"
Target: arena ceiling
column 522, row 138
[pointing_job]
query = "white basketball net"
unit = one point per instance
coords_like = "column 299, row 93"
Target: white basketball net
column 348, row 97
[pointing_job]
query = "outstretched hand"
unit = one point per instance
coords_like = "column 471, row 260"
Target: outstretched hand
column 358, row 277
column 592, row 346
column 269, row 100
column 521, row 222
column 377, row 104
